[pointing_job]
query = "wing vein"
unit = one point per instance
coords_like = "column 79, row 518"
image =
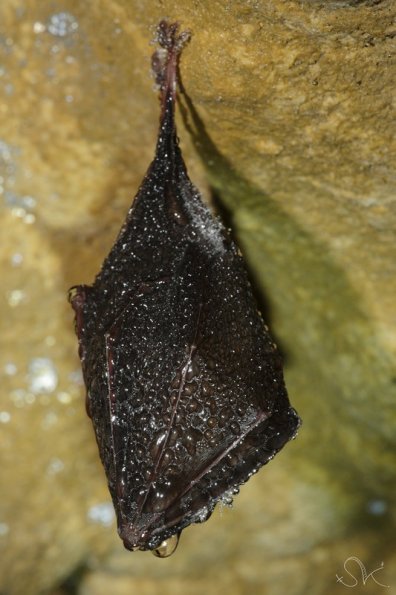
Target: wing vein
column 158, row 460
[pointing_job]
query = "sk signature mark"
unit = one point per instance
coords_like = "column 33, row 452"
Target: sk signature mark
column 363, row 575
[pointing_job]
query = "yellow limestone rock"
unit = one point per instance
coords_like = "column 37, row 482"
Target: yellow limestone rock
column 289, row 116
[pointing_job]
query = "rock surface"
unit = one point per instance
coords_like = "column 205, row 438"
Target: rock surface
column 288, row 115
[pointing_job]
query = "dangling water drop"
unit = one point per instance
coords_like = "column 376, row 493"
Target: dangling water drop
column 167, row 547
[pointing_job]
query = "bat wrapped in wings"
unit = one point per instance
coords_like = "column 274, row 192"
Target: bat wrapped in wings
column 184, row 384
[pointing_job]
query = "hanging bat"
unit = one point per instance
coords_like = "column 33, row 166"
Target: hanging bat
column 184, row 383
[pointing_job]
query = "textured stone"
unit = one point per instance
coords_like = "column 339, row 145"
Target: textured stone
column 295, row 128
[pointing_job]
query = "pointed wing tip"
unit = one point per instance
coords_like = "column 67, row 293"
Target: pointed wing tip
column 196, row 504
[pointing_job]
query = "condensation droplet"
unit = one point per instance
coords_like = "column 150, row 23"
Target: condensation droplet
column 193, row 405
column 10, row 369
column 55, row 466
column 208, row 434
column 207, row 390
column 192, row 370
column 4, row 529
column 29, row 218
column 38, row 27
column 202, row 514
column 64, row 398
column 102, row 514
column 5, row 417
column 6, row 153
column 16, row 297
column 176, row 381
column 167, row 457
column 377, row 507
column 224, row 415
column 167, row 547
column 227, row 498
column 62, row 24
column 43, row 377
column 232, row 459
column 76, row 377
column 234, row 427
column 212, row 405
column 16, row 259
column 25, row 202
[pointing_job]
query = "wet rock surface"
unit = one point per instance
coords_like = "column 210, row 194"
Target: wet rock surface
column 288, row 117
